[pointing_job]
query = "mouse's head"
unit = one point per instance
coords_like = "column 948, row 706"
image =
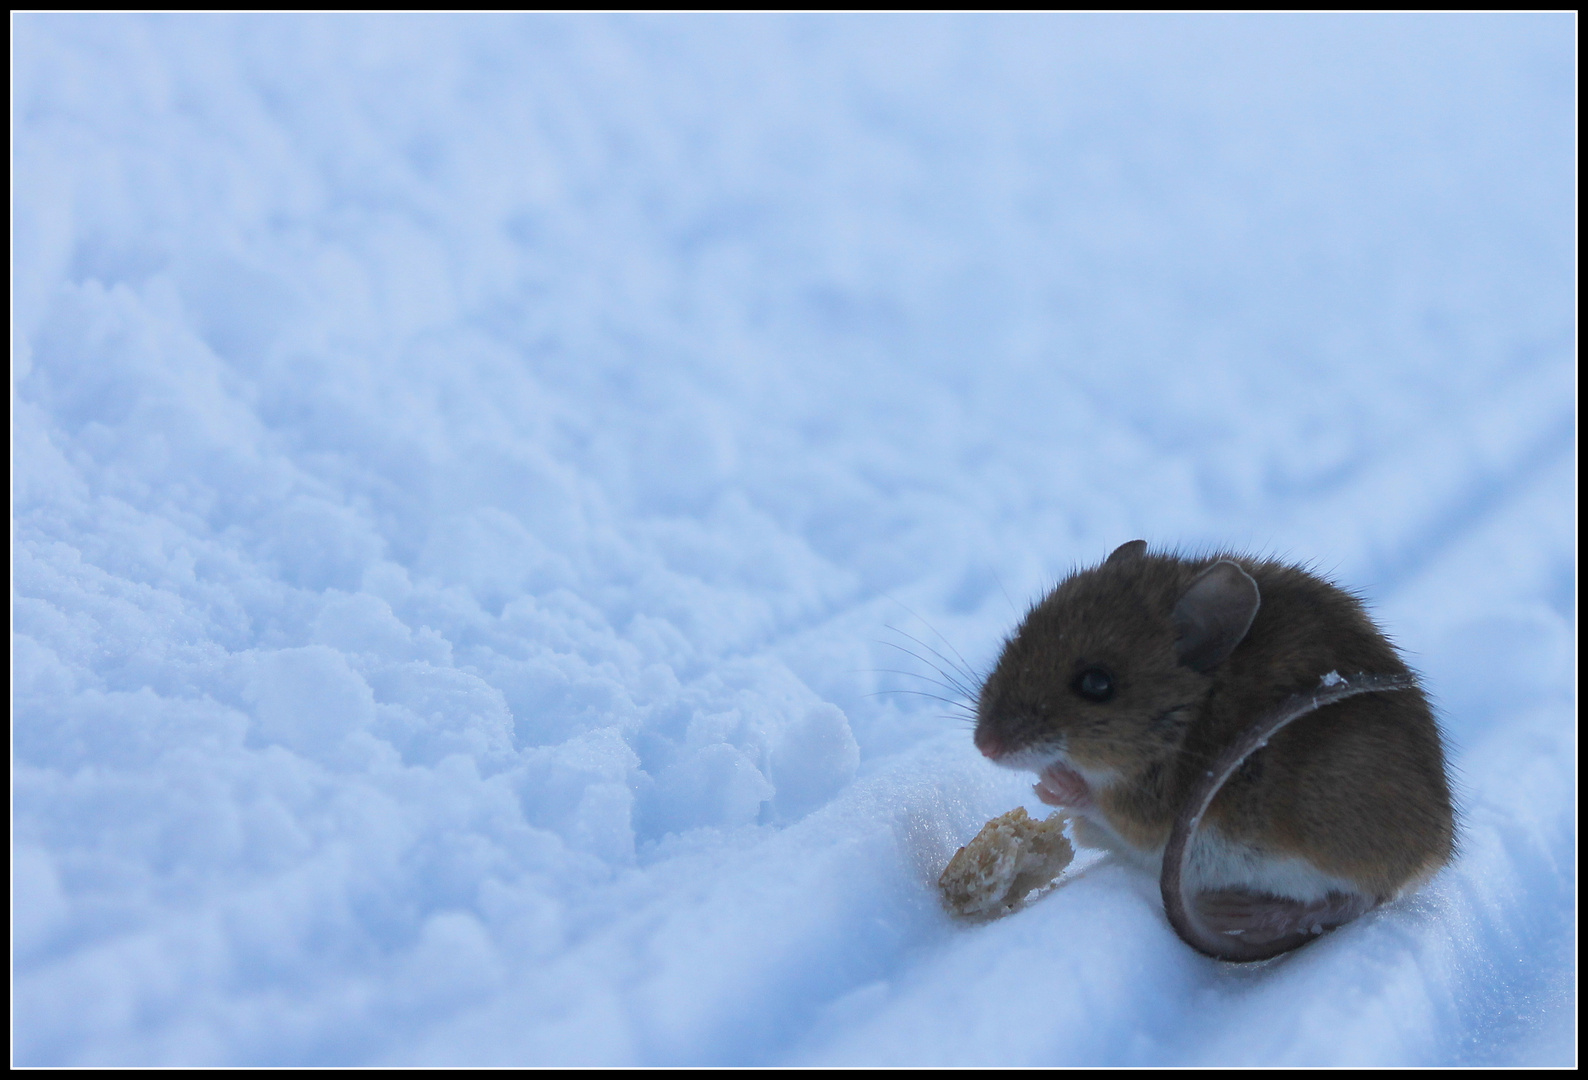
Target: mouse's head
column 1107, row 670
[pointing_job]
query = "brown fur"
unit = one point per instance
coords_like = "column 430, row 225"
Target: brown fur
column 1357, row 788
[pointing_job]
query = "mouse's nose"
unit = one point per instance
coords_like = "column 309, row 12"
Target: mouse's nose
column 988, row 743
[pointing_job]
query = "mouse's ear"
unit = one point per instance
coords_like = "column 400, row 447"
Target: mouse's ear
column 1214, row 615
column 1135, row 549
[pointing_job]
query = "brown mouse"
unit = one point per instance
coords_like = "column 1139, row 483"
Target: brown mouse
column 1239, row 727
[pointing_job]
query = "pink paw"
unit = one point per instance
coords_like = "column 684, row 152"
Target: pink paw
column 1060, row 785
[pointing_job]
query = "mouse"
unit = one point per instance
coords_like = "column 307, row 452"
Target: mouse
column 1237, row 726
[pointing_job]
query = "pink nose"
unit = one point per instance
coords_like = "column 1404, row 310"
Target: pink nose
column 988, row 743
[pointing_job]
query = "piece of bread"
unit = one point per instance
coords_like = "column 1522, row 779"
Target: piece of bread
column 1011, row 856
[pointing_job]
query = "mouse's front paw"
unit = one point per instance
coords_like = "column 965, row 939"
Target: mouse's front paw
column 1060, row 785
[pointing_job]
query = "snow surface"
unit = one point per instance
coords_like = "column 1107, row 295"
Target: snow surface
column 475, row 482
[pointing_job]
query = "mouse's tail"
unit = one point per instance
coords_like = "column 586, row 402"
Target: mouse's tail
column 1178, row 903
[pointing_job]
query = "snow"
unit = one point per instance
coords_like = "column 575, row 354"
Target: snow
column 476, row 481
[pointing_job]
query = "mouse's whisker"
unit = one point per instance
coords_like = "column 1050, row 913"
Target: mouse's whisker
column 941, row 664
column 952, row 688
column 962, row 668
column 920, row 693
column 953, row 678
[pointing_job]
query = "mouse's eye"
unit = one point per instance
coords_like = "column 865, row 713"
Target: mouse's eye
column 1094, row 684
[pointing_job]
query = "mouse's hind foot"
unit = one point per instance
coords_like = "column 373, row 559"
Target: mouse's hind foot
column 1258, row 918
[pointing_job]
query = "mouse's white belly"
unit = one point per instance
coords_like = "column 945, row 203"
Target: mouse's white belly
column 1216, row 862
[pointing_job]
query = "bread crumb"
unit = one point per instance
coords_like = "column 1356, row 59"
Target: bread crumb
column 1007, row 860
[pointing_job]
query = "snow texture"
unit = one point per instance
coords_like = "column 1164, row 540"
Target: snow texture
column 476, row 482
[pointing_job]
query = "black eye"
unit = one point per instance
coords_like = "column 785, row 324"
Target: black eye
column 1094, row 684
